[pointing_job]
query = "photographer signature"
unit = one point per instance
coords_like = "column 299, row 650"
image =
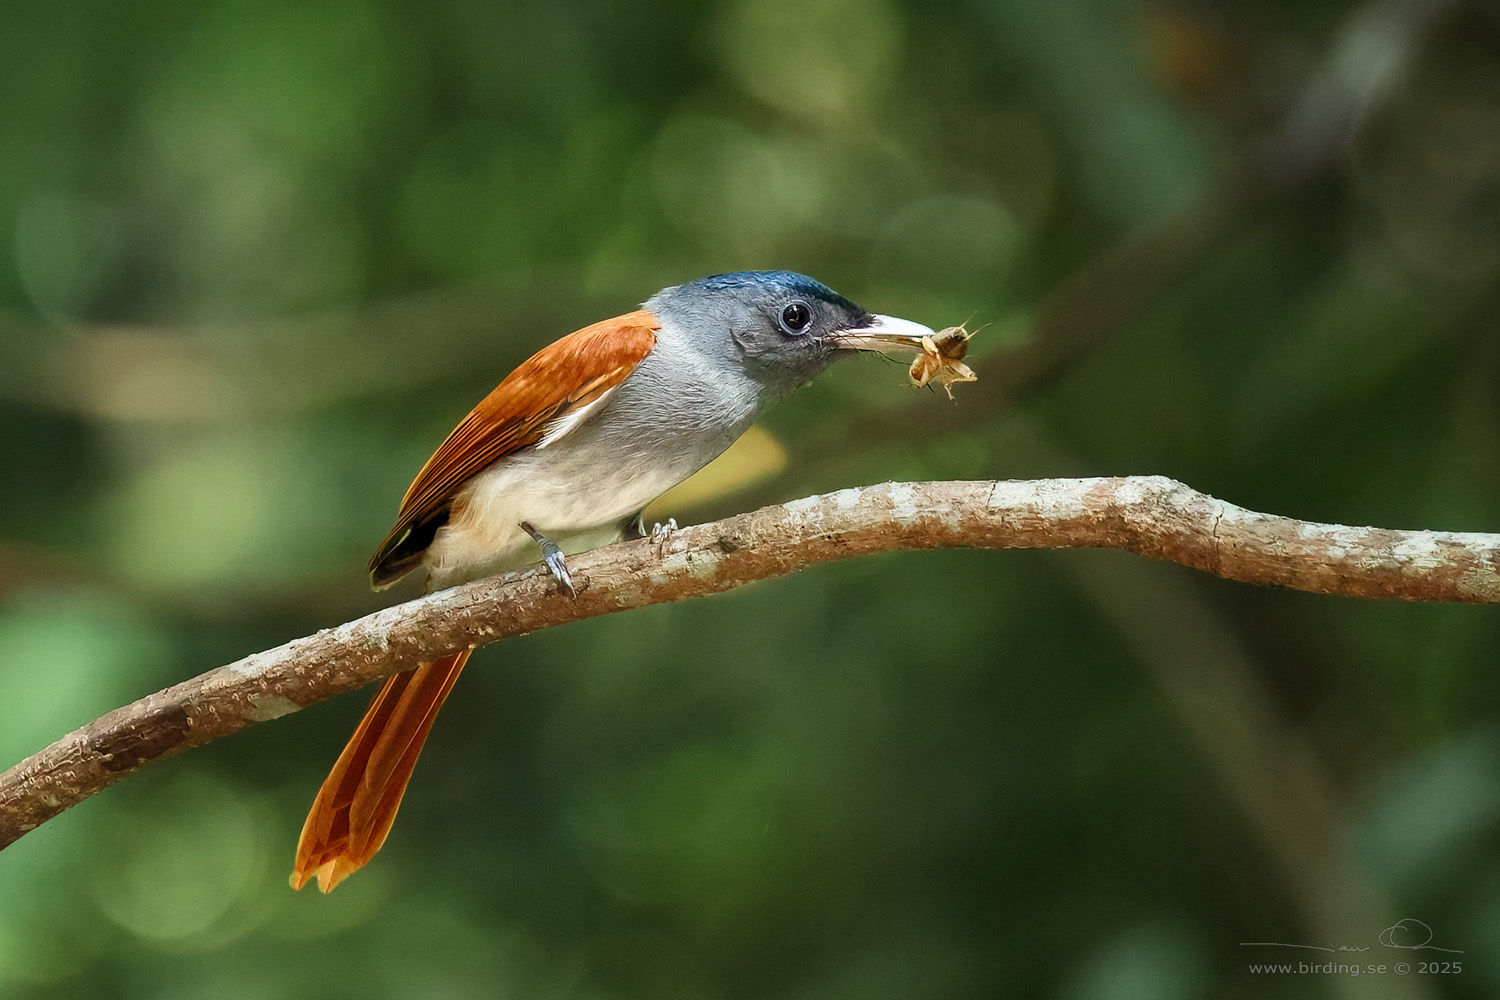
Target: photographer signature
column 1406, row 934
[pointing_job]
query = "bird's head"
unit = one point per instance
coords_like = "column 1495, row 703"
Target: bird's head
column 779, row 327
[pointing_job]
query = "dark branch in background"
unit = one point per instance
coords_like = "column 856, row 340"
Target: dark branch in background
column 1150, row 516
column 211, row 379
column 1368, row 57
column 319, row 360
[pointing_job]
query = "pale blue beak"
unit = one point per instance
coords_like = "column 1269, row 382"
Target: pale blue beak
column 887, row 334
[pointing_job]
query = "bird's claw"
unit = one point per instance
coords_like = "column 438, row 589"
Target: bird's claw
column 661, row 532
column 553, row 557
column 559, row 569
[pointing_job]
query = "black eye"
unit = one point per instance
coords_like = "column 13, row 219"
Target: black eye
column 795, row 316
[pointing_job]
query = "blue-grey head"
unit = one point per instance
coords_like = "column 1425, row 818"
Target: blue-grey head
column 779, row 327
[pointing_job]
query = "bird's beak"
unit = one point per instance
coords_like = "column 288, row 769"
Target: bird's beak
column 886, row 334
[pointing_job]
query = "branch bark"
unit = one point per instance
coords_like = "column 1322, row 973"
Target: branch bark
column 1149, row 515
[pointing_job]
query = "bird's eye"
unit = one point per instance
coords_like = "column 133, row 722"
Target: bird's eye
column 795, row 317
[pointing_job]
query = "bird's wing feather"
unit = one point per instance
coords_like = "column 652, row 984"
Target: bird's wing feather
column 533, row 404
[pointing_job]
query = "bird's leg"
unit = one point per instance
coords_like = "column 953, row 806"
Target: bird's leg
column 553, row 557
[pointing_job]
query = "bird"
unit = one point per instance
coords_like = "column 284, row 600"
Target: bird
column 562, row 457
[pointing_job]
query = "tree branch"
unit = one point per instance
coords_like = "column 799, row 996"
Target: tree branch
column 1149, row 515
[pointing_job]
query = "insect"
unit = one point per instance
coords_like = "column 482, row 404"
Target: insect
column 942, row 360
column 939, row 355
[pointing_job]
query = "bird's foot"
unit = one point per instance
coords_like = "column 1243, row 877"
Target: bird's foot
column 660, row 533
column 553, row 557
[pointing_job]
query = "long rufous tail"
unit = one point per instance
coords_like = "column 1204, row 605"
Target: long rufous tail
column 357, row 804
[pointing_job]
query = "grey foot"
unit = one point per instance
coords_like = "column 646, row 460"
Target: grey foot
column 661, row 532
column 553, row 557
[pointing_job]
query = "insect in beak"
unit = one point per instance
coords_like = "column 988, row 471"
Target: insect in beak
column 942, row 360
column 939, row 354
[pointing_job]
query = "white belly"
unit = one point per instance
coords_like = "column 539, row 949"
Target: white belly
column 541, row 488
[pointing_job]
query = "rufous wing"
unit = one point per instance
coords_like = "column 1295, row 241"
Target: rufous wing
column 558, row 381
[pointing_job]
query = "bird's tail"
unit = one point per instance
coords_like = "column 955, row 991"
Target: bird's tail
column 357, row 804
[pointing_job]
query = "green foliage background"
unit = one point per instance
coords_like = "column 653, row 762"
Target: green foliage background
column 259, row 256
